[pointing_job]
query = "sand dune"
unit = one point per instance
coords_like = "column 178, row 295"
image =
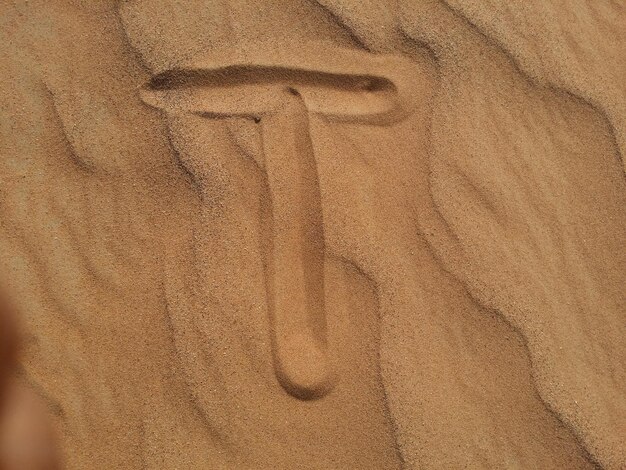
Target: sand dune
column 329, row 234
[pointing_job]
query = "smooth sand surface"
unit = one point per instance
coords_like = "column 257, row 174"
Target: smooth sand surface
column 392, row 236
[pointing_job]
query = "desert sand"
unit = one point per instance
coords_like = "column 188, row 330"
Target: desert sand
column 315, row 234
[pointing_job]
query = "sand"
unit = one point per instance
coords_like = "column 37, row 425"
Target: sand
column 324, row 234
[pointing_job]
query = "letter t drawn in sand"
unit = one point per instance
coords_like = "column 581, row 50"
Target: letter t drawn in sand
column 280, row 87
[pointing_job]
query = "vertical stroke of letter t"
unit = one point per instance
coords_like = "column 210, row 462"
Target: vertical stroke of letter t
column 280, row 89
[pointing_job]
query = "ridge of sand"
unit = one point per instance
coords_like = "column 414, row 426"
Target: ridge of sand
column 474, row 264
